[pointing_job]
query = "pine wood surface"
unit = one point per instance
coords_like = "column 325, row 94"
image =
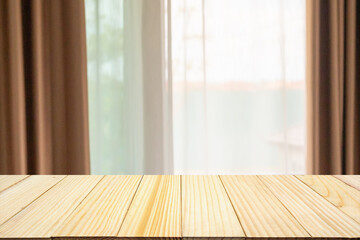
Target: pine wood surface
column 260, row 212
column 42, row 217
column 316, row 214
column 344, row 197
column 352, row 180
column 207, row 210
column 7, row 181
column 175, row 207
column 14, row 199
column 156, row 209
column 103, row 210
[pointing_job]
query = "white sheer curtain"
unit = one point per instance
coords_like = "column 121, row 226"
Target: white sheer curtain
column 238, row 86
column 125, row 73
column 196, row 86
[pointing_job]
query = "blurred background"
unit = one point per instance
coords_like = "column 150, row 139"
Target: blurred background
column 233, row 90
column 179, row 87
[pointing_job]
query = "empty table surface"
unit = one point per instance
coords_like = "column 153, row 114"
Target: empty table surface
column 167, row 206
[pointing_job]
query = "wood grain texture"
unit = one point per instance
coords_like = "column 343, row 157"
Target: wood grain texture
column 343, row 196
column 103, row 210
column 260, row 212
column 155, row 211
column 177, row 207
column 17, row 197
column 352, row 180
column 207, row 210
column 318, row 216
column 42, row 217
column 7, row 181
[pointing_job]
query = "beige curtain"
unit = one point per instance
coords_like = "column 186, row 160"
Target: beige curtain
column 333, row 69
column 43, row 87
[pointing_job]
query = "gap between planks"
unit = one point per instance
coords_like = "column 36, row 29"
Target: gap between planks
column 44, row 215
column 207, row 209
column 345, row 197
column 261, row 214
column 7, row 181
column 318, row 216
column 155, row 210
column 22, row 194
column 109, row 201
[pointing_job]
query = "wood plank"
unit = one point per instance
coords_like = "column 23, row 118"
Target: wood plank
column 343, row 196
column 352, row 180
column 260, row 212
column 43, row 216
column 103, row 210
column 14, row 199
column 156, row 209
column 7, row 181
column 206, row 209
column 78, row 207
column 318, row 216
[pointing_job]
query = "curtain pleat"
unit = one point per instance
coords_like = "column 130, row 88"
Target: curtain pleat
column 128, row 93
column 43, row 87
column 333, row 82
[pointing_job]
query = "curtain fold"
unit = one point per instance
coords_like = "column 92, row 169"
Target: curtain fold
column 333, row 81
column 155, row 97
column 43, row 87
column 127, row 91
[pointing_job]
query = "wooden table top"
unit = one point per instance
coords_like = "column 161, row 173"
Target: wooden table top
column 242, row 207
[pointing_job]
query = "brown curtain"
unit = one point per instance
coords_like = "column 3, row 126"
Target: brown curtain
column 43, row 87
column 333, row 80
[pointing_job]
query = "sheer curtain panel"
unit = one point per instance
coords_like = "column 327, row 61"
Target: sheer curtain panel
column 238, row 86
column 196, row 86
column 126, row 87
